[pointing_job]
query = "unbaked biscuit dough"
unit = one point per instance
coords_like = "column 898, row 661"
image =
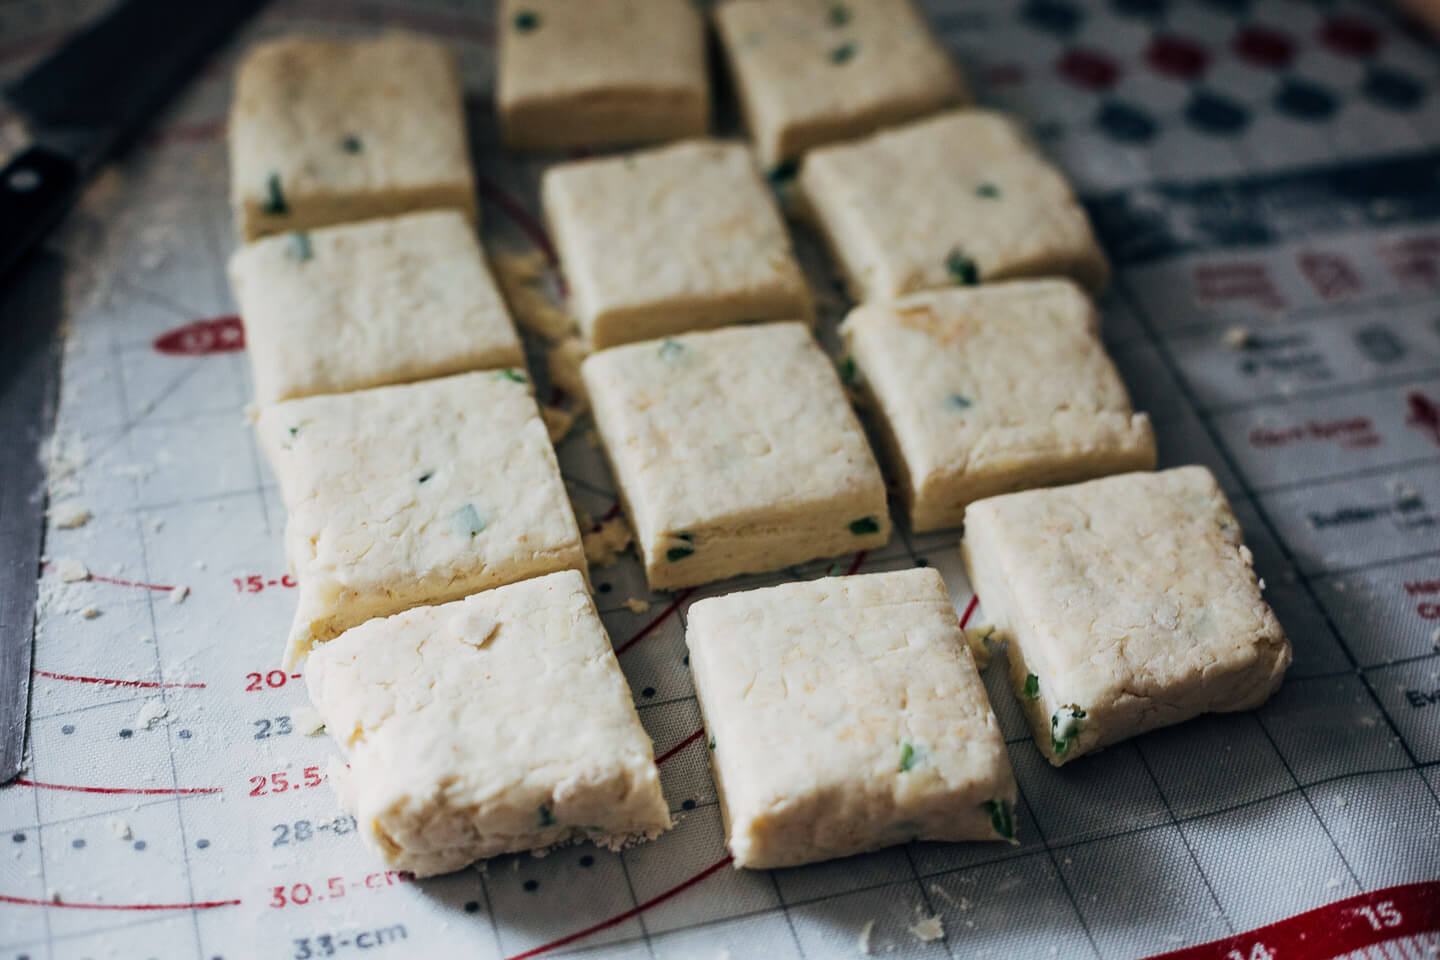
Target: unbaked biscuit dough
column 983, row 391
column 421, row 493
column 494, row 724
column 815, row 71
column 368, row 304
column 735, row 451
column 600, row 72
column 958, row 199
column 845, row 714
column 333, row 131
column 678, row 238
column 1129, row 604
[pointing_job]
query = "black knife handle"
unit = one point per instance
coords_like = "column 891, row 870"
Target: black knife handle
column 37, row 187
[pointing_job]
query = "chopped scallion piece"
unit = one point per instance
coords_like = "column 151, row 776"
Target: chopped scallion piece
column 527, row 20
column 865, row 525
column 848, row 370
column 910, row 758
column 987, row 190
column 352, row 144
column 843, row 53
column 678, row 553
column 963, row 271
column 424, row 477
column 1002, row 821
column 671, row 351
column 839, row 15
column 275, row 204
column 1064, row 728
column 958, row 401
column 300, row 248
column 468, row 521
column 511, row 374
column 1032, row 687
column 547, row 819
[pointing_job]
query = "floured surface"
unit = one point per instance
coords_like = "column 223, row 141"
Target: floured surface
column 1322, row 430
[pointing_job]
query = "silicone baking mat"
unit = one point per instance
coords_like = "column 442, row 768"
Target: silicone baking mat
column 1266, row 174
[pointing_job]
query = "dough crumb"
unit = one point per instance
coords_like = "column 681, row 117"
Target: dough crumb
column 70, row 514
column 636, row 605
column 522, row 281
column 308, row 721
column 150, row 714
column 605, row 541
column 929, row 929
column 977, row 638
column 473, row 628
column 72, row 571
column 557, row 422
column 120, row 829
column 91, row 613
column 863, row 944
column 1238, row 338
column 562, row 362
column 179, row 594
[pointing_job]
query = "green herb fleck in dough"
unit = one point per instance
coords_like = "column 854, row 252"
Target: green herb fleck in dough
column 838, row 16
column 425, row 477
column 1001, row 820
column 848, row 370
column 1032, row 687
column 547, row 819
column 678, row 553
column 294, row 431
column 1064, row 728
column 275, row 204
column 510, row 374
column 864, row 525
column 843, row 53
column 468, row 521
column 526, row 21
column 352, row 144
column 782, row 173
column 711, row 744
column 987, row 190
column 671, row 351
column 963, row 271
column 958, row 401
column 300, row 248
column 910, row 758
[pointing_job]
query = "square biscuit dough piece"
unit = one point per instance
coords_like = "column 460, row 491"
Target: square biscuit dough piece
column 959, row 198
column 982, row 391
column 369, row 304
column 735, row 451
column 677, row 238
column 333, row 131
column 846, row 714
column 1129, row 604
column 600, row 73
column 810, row 72
column 413, row 494
column 494, row 724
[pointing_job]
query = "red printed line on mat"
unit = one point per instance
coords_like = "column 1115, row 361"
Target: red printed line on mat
column 109, row 682
column 969, row 611
column 198, row 905
column 1333, row 930
column 620, row 918
column 665, row 614
column 680, row 746
column 127, row 791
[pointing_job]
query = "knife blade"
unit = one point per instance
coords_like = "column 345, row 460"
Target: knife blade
column 90, row 97
column 80, row 105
